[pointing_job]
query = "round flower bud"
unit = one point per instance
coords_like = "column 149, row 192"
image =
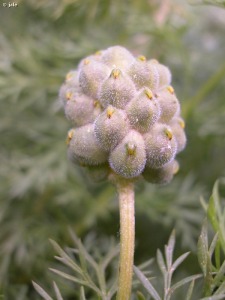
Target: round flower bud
column 144, row 74
column 111, row 127
column 79, row 109
column 143, row 110
column 177, row 125
column 66, row 92
column 129, row 157
column 117, row 90
column 125, row 114
column 97, row 56
column 168, row 103
column 165, row 76
column 92, row 75
column 161, row 175
column 83, row 146
column 117, row 57
column 160, row 145
column 72, row 79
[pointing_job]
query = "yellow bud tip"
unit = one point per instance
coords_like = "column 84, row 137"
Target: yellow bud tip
column 149, row 94
column 142, row 58
column 98, row 53
column 110, row 110
column 96, row 103
column 69, row 76
column 169, row 134
column 86, row 61
column 69, row 95
column 131, row 149
column 116, row 73
column 170, row 89
column 182, row 123
column 69, row 136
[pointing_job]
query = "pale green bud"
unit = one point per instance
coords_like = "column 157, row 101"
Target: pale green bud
column 126, row 116
column 160, row 145
column 144, row 74
column 143, row 110
column 97, row 56
column 72, row 79
column 161, row 175
column 129, row 157
column 92, row 75
column 165, row 76
column 111, row 127
column 66, row 92
column 83, row 146
column 117, row 57
column 169, row 104
column 70, row 86
column 117, row 90
column 79, row 109
column 177, row 125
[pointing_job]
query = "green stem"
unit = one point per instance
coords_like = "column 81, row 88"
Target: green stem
column 127, row 236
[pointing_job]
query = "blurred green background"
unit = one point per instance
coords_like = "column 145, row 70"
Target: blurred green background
column 41, row 193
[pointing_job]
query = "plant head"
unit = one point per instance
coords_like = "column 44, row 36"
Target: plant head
column 125, row 116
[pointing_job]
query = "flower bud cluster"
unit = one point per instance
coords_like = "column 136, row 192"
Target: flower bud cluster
column 125, row 116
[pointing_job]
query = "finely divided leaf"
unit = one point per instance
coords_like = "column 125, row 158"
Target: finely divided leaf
column 110, row 256
column 57, row 292
column 182, row 282
column 219, row 276
column 169, row 249
column 161, row 262
column 146, row 283
column 146, row 264
column 77, row 280
column 83, row 254
column 82, row 294
column 217, row 297
column 65, row 257
column 213, row 245
column 203, row 248
column 179, row 260
column 212, row 215
column 190, row 290
column 41, row 291
column 221, row 289
column 69, row 277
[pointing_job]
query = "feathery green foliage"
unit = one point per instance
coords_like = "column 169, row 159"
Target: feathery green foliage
column 40, row 194
column 212, row 266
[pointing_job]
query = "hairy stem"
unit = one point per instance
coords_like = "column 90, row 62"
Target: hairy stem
column 127, row 235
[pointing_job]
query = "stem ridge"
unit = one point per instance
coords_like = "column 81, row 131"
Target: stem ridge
column 127, row 238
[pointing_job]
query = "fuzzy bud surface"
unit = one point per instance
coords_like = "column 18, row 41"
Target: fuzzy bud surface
column 125, row 117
